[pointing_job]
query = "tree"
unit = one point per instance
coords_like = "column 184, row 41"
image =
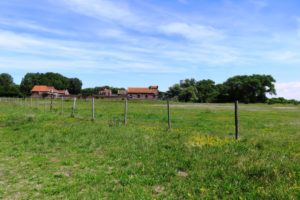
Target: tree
column 188, row 82
column 10, row 91
column 7, row 86
column 250, row 89
column 75, row 86
column 185, row 91
column 6, row 80
column 173, row 91
column 29, row 80
column 56, row 80
column 188, row 94
column 207, row 91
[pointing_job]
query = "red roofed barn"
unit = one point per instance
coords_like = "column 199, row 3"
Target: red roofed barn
column 143, row 93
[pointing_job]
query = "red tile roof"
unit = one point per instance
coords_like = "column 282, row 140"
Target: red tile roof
column 49, row 89
column 142, row 91
column 43, row 88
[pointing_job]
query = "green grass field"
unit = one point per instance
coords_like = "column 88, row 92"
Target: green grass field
column 49, row 155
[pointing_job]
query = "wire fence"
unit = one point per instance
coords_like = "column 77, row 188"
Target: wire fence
column 118, row 112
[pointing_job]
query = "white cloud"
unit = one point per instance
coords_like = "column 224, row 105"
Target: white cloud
column 112, row 33
column 285, row 56
column 289, row 90
column 31, row 25
column 9, row 39
column 103, row 10
column 191, row 31
column 44, row 54
column 207, row 48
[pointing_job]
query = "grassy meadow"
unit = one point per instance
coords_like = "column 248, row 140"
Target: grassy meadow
column 51, row 155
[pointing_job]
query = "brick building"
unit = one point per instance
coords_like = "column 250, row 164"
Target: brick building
column 143, row 93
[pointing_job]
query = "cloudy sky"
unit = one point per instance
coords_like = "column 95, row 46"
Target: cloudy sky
column 143, row 42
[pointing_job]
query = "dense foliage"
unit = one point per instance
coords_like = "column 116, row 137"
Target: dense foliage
column 281, row 100
column 95, row 91
column 74, row 86
column 247, row 89
column 56, row 80
column 7, row 86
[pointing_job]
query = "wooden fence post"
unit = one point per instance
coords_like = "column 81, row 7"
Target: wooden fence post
column 51, row 102
column 236, row 116
column 62, row 105
column 169, row 116
column 125, row 111
column 93, row 108
column 73, row 107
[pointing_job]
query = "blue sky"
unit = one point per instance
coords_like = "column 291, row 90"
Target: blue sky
column 143, row 42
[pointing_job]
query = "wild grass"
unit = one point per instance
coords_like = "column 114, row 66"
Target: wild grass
column 51, row 155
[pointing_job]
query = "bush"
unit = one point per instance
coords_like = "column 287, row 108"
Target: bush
column 282, row 100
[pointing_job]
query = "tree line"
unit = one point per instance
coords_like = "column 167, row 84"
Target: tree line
column 9, row 89
column 247, row 89
column 7, row 86
column 86, row 92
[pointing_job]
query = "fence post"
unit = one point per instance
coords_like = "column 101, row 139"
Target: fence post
column 236, row 116
column 125, row 111
column 169, row 116
column 62, row 105
column 93, row 108
column 73, row 107
column 45, row 104
column 51, row 103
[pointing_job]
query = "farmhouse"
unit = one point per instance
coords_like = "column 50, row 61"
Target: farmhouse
column 44, row 91
column 105, row 92
column 143, row 93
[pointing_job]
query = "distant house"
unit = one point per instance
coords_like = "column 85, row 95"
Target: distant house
column 44, row 91
column 143, row 93
column 105, row 92
column 63, row 92
column 122, row 93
